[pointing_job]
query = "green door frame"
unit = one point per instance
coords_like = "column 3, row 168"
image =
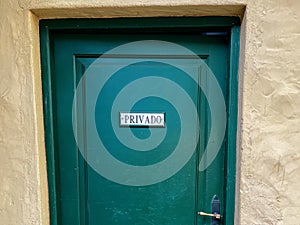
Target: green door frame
column 230, row 24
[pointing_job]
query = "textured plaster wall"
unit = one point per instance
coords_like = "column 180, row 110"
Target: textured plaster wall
column 269, row 130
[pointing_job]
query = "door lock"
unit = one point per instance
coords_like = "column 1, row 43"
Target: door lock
column 215, row 211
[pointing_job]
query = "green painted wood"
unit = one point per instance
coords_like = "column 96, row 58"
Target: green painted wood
column 156, row 22
column 82, row 164
column 232, row 125
column 78, row 198
column 48, row 123
column 92, row 45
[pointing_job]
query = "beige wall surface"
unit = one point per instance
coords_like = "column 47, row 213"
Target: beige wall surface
column 269, row 132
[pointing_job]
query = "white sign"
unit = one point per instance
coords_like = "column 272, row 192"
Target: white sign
column 142, row 119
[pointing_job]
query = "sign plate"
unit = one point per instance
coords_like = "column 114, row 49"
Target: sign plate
column 142, row 119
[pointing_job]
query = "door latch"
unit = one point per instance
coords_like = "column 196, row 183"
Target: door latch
column 215, row 211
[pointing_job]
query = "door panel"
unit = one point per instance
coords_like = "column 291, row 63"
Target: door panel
column 153, row 204
column 87, row 197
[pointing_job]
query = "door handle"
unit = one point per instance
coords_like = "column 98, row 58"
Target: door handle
column 217, row 216
column 215, row 211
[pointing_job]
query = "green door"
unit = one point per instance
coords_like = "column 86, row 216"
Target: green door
column 140, row 173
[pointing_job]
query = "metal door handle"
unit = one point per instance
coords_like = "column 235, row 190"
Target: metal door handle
column 217, row 216
column 215, row 211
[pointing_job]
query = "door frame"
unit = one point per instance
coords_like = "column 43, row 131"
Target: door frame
column 232, row 24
